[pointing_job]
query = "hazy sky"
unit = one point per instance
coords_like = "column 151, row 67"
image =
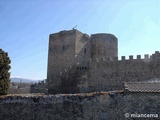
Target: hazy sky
column 25, row 26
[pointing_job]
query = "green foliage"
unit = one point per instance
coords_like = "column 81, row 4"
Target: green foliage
column 4, row 72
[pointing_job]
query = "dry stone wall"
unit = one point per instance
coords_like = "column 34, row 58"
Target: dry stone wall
column 97, row 106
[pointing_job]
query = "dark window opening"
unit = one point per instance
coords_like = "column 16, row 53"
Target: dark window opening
column 85, row 68
column 63, row 47
column 85, row 50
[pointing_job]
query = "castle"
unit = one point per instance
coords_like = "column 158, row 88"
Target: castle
column 80, row 63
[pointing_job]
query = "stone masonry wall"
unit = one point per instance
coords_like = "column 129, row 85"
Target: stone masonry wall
column 79, row 63
column 110, row 75
column 82, row 49
column 61, row 56
column 68, row 50
column 94, row 106
column 103, row 46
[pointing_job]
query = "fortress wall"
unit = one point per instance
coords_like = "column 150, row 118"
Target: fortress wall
column 103, row 46
column 67, row 51
column 109, row 75
column 82, row 49
column 61, row 55
column 82, row 77
column 93, row 62
column 96, row 106
column 104, row 76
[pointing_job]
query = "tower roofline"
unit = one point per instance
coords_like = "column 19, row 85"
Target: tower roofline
column 65, row 31
column 103, row 34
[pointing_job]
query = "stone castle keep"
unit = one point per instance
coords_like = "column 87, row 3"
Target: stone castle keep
column 78, row 62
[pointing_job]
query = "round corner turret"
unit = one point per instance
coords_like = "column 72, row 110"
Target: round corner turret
column 104, row 46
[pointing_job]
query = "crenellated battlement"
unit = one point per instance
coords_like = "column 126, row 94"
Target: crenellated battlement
column 139, row 57
column 94, row 58
column 146, row 59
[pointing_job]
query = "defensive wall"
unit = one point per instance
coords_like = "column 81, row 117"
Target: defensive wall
column 79, row 63
column 112, row 73
column 66, row 49
column 93, row 106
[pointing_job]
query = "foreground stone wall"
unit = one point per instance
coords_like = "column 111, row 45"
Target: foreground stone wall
column 94, row 106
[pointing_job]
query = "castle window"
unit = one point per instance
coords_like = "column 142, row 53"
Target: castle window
column 85, row 50
column 85, row 68
column 63, row 47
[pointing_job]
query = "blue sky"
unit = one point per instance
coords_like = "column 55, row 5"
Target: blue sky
column 25, row 27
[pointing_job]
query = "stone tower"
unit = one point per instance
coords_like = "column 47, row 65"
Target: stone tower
column 66, row 50
column 104, row 46
column 78, row 63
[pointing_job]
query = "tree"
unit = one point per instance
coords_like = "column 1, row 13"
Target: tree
column 4, row 72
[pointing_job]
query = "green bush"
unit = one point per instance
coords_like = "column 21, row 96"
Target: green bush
column 4, row 72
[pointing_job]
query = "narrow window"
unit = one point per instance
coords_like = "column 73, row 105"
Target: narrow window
column 63, row 47
column 85, row 50
column 85, row 68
